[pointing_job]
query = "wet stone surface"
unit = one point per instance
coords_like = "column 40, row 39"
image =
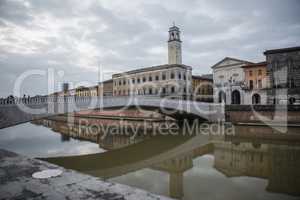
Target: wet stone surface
column 16, row 182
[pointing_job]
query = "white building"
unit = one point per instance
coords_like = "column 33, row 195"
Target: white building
column 173, row 79
column 229, row 76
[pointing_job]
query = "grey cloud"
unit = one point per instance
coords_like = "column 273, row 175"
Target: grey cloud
column 79, row 35
column 14, row 12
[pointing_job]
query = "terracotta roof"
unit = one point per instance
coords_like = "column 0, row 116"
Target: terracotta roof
column 284, row 50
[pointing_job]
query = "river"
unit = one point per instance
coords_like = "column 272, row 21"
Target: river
column 257, row 162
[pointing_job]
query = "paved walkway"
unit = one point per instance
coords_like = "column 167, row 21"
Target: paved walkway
column 16, row 182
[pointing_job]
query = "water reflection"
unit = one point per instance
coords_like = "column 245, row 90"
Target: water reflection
column 255, row 163
column 39, row 141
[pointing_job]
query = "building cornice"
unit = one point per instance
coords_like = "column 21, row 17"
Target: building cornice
column 153, row 68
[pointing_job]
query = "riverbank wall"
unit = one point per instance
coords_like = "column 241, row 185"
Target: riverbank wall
column 278, row 114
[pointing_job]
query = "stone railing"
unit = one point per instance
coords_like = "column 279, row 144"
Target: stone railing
column 19, row 112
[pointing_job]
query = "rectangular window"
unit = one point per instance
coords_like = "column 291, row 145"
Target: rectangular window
column 179, row 76
column 251, row 84
column 259, row 84
column 172, row 75
column 150, row 91
column 164, row 77
column 250, row 73
column 157, row 78
column 259, row 72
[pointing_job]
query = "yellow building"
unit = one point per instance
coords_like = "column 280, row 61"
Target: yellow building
column 203, row 88
column 256, row 83
column 87, row 91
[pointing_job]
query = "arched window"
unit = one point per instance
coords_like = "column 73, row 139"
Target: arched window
column 256, row 99
column 291, row 82
column 235, row 97
column 292, row 100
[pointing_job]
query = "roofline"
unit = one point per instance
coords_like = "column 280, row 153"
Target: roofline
column 153, row 68
column 283, row 50
column 201, row 77
column 259, row 64
column 107, row 81
column 243, row 61
column 172, row 27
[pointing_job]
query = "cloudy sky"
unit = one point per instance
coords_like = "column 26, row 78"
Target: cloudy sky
column 72, row 38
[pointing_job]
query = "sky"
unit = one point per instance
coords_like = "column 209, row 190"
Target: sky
column 46, row 43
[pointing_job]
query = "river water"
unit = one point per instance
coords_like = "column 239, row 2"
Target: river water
column 257, row 162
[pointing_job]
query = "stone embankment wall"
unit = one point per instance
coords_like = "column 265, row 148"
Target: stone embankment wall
column 263, row 113
column 17, row 183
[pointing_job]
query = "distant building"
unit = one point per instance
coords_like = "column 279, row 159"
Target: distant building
column 283, row 66
column 87, row 91
column 203, row 88
column 229, row 76
column 172, row 79
column 256, row 83
column 106, row 88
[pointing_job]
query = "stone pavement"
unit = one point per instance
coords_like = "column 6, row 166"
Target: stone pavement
column 16, row 182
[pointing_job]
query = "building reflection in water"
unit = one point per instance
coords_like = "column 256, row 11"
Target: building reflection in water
column 253, row 152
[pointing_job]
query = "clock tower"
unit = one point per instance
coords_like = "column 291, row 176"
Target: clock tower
column 174, row 46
